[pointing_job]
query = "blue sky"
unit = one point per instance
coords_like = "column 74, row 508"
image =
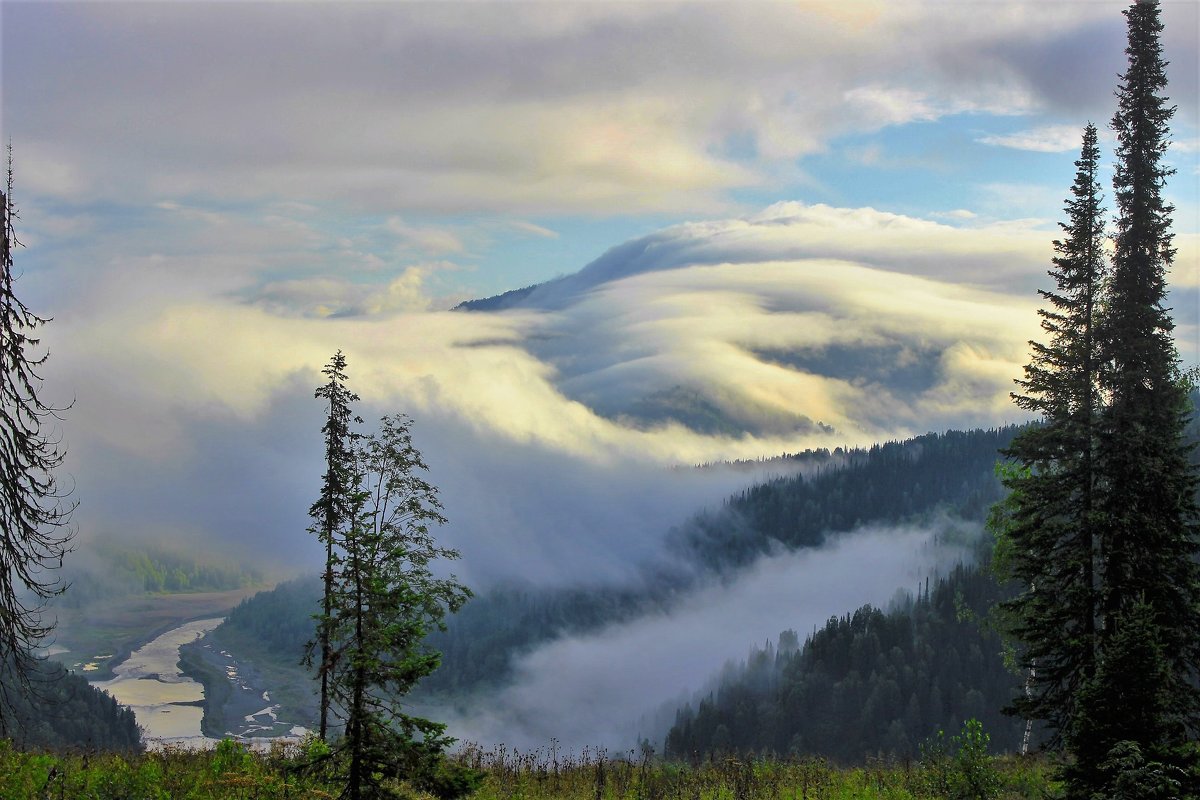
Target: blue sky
column 216, row 196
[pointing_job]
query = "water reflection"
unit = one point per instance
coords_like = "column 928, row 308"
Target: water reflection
column 167, row 702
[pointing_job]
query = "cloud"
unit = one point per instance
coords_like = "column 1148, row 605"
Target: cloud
column 958, row 213
column 399, row 109
column 194, row 380
column 426, row 238
column 340, row 297
column 702, row 305
column 1048, row 139
column 994, row 255
column 610, row 678
column 532, row 229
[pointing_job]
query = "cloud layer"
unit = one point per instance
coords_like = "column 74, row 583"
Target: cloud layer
column 801, row 326
column 608, row 680
column 525, row 106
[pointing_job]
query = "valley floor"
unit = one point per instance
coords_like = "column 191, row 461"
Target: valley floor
column 94, row 639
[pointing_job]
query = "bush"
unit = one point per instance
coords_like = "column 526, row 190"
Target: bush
column 962, row 770
column 448, row 780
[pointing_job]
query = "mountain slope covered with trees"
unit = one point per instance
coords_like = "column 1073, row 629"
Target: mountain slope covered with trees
column 898, row 482
column 871, row 683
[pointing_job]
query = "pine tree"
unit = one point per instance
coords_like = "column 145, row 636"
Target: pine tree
column 1128, row 707
column 386, row 599
column 333, row 511
column 1051, row 547
column 35, row 515
column 1147, row 531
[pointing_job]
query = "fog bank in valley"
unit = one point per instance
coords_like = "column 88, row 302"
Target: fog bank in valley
column 591, row 690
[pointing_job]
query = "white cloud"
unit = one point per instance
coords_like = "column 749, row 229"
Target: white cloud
column 882, row 106
column 430, row 239
column 532, row 229
column 1048, row 139
column 958, row 213
column 403, row 108
column 635, row 666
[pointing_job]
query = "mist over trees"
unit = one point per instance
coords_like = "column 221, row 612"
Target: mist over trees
column 867, row 684
column 945, row 481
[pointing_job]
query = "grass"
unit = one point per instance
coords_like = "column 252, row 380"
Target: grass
column 545, row 775
column 230, row 771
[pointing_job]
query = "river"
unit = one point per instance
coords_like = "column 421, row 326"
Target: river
column 168, row 704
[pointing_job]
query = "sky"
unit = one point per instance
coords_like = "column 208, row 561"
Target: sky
column 823, row 223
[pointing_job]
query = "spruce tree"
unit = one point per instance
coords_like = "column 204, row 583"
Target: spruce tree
column 333, row 511
column 1147, row 520
column 35, row 514
column 1051, row 547
column 385, row 600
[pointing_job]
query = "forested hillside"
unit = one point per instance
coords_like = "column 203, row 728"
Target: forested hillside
column 867, row 683
column 60, row 710
column 895, row 482
column 108, row 568
column 892, row 482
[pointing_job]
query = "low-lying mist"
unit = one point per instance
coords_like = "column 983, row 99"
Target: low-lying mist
column 591, row 690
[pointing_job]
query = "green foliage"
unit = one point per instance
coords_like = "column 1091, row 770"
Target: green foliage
column 383, row 599
column 1131, row 777
column 229, row 756
column 51, row 707
column 864, row 684
column 448, row 779
column 227, row 772
column 963, row 769
column 109, row 568
column 176, row 774
column 548, row 775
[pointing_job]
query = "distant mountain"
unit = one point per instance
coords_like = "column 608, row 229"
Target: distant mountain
column 498, row 302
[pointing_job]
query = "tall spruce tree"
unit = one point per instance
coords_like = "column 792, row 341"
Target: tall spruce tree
column 35, row 513
column 386, row 599
column 1052, row 548
column 1147, row 520
column 334, row 510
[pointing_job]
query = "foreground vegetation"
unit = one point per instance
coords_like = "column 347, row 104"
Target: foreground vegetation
column 953, row 768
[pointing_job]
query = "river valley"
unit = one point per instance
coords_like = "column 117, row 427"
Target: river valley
column 170, row 705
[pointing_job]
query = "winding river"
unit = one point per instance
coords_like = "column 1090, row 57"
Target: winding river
column 167, row 702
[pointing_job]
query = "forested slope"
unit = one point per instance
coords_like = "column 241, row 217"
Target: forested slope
column 868, row 683
column 61, row 710
column 895, row 482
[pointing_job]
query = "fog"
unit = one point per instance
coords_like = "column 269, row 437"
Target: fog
column 591, row 690
column 195, row 419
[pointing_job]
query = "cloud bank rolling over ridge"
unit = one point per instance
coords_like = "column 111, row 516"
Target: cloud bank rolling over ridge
column 767, row 325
